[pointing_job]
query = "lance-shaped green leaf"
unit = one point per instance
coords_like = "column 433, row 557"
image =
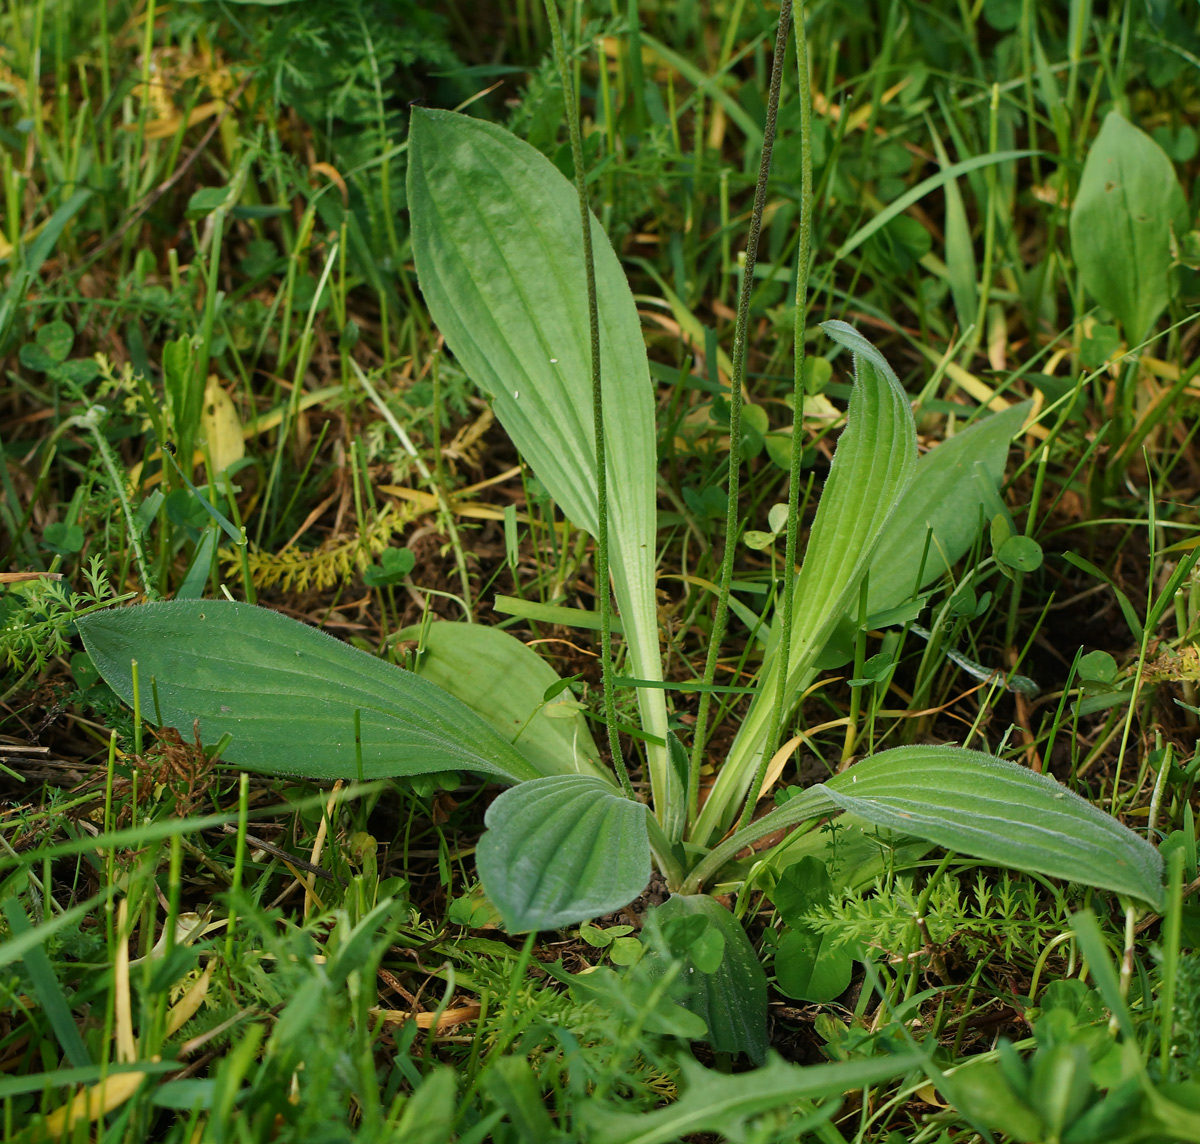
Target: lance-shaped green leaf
column 944, row 498
column 993, row 809
column 731, row 995
column 562, row 850
column 947, row 502
column 288, row 694
column 718, row 1102
column 979, row 805
column 499, row 255
column 506, row 683
column 872, row 467
column 1129, row 202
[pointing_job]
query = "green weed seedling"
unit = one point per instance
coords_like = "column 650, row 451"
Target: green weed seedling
column 534, row 304
column 1128, row 221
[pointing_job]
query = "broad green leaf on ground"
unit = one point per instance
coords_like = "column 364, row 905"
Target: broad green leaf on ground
column 732, row 998
column 499, row 255
column 1129, row 203
column 801, row 887
column 808, row 966
column 561, row 850
column 944, row 497
column 811, row 967
column 992, row 809
column 287, row 694
column 872, row 467
column 718, row 1102
column 978, row 805
column 504, row 683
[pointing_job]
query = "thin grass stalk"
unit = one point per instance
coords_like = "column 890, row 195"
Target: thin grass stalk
column 721, row 619
column 803, row 264
column 602, row 577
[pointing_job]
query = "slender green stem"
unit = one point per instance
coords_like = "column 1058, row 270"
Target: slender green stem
column 239, row 864
column 91, row 421
column 435, row 485
column 803, row 262
column 1170, row 945
column 602, row 586
column 989, row 232
column 664, row 856
column 813, row 803
column 736, row 382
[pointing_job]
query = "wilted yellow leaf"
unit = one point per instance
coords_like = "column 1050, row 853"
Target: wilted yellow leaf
column 221, row 426
column 93, row 1103
column 189, row 1004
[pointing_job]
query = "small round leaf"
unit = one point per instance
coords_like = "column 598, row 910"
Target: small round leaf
column 777, row 518
column 757, row 540
column 626, row 951
column 65, row 539
column 1021, row 553
column 56, row 339
column 808, row 967
column 1097, row 667
column 35, row 358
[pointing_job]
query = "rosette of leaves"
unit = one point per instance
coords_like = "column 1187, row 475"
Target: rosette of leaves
column 498, row 249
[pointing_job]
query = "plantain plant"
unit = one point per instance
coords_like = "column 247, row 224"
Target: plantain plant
column 532, row 300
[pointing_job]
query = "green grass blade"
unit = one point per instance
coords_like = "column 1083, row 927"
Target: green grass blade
column 62, row 1078
column 923, row 188
column 139, row 837
column 48, row 989
column 551, row 613
column 712, row 86
column 18, row 946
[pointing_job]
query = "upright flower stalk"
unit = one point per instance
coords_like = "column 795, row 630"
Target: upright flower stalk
column 787, row 610
column 602, row 577
column 721, row 618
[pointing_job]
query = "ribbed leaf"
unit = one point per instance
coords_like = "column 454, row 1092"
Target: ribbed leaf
column 287, row 694
column 561, row 850
column 1001, row 812
column 732, row 1000
column 944, row 497
column 499, row 255
column 1129, row 200
column 504, row 683
column 872, row 466
column 975, row 804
